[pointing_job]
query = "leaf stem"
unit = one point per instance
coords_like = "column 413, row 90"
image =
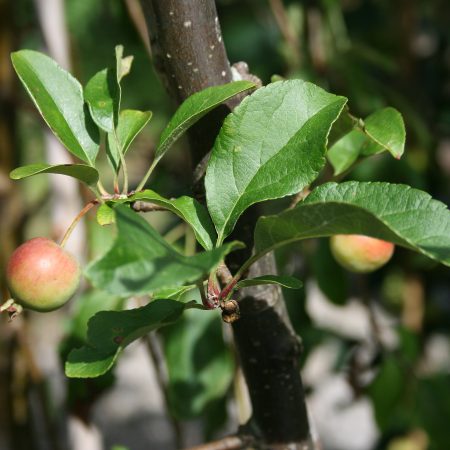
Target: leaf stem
column 228, row 289
column 238, row 275
column 72, row 226
column 201, row 289
column 156, row 354
column 101, row 188
column 147, row 175
column 125, row 173
column 175, row 233
column 122, row 162
column 116, row 183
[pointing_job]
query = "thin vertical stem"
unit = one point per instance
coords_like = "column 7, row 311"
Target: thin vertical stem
column 72, row 226
column 154, row 351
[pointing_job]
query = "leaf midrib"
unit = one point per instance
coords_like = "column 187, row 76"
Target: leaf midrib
column 26, row 62
column 221, row 233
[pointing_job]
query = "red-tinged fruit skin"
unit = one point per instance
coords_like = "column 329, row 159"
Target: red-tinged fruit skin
column 361, row 254
column 41, row 275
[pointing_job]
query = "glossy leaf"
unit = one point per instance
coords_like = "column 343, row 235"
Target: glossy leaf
column 84, row 173
column 383, row 130
column 109, row 332
column 59, row 98
column 188, row 209
column 194, row 108
column 272, row 145
column 281, row 280
column 123, row 126
column 141, row 262
column 387, row 129
column 392, row 212
column 131, row 122
column 102, row 95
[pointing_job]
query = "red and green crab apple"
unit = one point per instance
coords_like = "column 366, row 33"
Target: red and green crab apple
column 41, row 275
column 359, row 253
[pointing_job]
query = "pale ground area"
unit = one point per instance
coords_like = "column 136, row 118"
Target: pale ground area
column 342, row 422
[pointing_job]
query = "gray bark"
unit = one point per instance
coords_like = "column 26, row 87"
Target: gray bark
column 190, row 55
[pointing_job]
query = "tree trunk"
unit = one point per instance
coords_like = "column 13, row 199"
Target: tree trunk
column 189, row 54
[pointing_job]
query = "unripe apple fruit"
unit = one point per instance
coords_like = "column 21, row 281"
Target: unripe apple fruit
column 359, row 253
column 41, row 275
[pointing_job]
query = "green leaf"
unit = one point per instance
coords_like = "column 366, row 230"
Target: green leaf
column 109, row 332
column 173, row 293
column 383, row 130
column 387, row 129
column 346, row 151
column 141, row 262
column 386, row 391
column 433, row 408
column 194, row 108
column 131, row 123
column 102, row 95
column 343, row 125
column 86, row 305
column 392, row 212
column 280, row 280
column 84, row 173
column 200, row 366
column 105, row 214
column 188, row 209
column 272, row 145
column 59, row 98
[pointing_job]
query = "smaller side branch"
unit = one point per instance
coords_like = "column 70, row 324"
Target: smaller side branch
column 141, row 206
column 282, row 20
column 80, row 215
column 154, row 349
